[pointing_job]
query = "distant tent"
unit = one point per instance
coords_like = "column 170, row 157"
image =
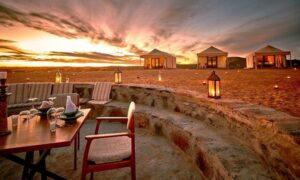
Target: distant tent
column 157, row 59
column 268, row 56
column 212, row 58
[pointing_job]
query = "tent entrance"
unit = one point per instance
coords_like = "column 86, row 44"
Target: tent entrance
column 156, row 63
column 268, row 62
column 212, row 62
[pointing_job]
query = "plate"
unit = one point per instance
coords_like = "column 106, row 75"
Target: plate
column 71, row 118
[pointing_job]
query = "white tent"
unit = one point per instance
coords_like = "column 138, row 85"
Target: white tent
column 268, row 56
column 157, row 59
column 212, row 58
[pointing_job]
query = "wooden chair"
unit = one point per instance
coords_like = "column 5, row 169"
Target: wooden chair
column 111, row 151
column 101, row 93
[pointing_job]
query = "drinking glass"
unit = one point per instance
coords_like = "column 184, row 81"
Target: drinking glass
column 14, row 119
column 26, row 114
column 51, row 116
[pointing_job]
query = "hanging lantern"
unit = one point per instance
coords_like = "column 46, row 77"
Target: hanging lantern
column 58, row 77
column 159, row 76
column 118, row 76
column 213, row 82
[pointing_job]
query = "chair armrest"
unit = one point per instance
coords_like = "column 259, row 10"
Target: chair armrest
column 108, row 135
column 114, row 119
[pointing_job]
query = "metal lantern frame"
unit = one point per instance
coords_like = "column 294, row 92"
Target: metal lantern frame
column 214, row 86
column 118, row 76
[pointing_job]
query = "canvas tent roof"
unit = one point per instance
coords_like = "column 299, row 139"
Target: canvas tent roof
column 270, row 50
column 212, row 51
column 156, row 52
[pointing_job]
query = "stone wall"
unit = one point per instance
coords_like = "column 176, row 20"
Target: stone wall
column 271, row 134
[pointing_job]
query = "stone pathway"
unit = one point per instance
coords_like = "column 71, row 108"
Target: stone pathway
column 156, row 158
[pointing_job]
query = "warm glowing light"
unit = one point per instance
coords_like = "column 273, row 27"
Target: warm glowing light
column 214, row 86
column 288, row 77
column 58, row 77
column 159, row 76
column 118, row 76
column 276, row 86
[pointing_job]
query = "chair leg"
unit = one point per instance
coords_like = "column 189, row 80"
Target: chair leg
column 92, row 176
column 133, row 175
column 83, row 175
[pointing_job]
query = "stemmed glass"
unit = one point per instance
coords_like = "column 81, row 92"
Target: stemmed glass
column 33, row 111
column 51, row 116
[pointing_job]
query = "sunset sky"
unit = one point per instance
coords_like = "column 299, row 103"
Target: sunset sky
column 117, row 32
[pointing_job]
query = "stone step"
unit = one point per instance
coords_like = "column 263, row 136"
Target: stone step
column 215, row 150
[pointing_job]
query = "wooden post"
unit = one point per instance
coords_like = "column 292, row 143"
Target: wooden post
column 3, row 109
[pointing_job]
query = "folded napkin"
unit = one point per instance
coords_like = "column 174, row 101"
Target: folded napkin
column 46, row 105
column 70, row 106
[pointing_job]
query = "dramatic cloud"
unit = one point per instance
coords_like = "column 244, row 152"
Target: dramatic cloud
column 180, row 27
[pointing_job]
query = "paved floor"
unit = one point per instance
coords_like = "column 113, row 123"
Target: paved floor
column 156, row 158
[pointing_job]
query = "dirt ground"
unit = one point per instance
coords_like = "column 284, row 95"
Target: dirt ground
column 255, row 86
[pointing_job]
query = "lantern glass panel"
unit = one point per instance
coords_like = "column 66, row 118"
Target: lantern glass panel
column 217, row 88
column 120, row 78
column 211, row 88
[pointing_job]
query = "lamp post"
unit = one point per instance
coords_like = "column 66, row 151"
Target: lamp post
column 213, row 83
column 118, row 76
column 58, row 77
column 3, row 105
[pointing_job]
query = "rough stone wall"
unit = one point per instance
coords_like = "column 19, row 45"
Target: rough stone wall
column 266, row 131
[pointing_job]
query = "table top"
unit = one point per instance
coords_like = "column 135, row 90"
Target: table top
column 35, row 134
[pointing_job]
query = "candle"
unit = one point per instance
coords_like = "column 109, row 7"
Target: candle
column 3, row 75
column 276, row 86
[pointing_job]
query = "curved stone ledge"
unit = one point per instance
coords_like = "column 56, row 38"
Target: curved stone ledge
column 266, row 131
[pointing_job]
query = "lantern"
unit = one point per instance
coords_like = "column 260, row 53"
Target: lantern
column 159, row 76
column 118, row 76
column 213, row 83
column 58, row 77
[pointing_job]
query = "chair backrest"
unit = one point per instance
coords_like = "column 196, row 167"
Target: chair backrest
column 20, row 93
column 40, row 90
column 61, row 99
column 130, row 122
column 101, row 91
column 60, row 88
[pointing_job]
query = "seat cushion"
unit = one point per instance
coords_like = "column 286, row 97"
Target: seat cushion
column 105, row 150
column 20, row 93
column 60, row 88
column 101, row 91
column 97, row 102
column 29, row 104
column 40, row 90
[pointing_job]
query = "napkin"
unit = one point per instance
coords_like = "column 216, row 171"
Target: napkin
column 46, row 105
column 70, row 106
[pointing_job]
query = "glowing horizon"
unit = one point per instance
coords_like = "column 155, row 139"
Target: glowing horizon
column 99, row 32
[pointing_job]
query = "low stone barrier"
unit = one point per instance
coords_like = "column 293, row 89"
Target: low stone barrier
column 272, row 135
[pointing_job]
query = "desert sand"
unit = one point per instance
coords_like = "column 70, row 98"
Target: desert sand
column 255, row 86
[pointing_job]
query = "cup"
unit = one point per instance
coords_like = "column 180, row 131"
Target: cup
column 51, row 116
column 14, row 119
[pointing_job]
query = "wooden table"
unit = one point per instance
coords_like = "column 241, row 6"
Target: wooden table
column 35, row 135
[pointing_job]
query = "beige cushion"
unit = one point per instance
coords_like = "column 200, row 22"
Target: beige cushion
column 131, row 110
column 20, row 93
column 97, row 102
column 29, row 104
column 101, row 91
column 60, row 88
column 112, row 149
column 40, row 90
